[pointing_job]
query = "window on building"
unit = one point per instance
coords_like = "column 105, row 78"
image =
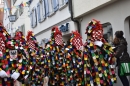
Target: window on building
column 7, row 26
column 55, row 5
column 108, row 32
column 14, row 1
column 66, row 1
column 51, row 10
column 23, row 29
column 16, row 13
column 17, row 30
column 2, row 2
column 33, row 17
column 51, row 7
column 47, row 7
column 62, row 2
column 20, row 10
column 41, row 11
column 43, row 42
column 5, row 14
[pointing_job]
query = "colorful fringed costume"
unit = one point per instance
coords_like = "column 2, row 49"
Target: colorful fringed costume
column 24, row 72
column 12, row 60
column 36, row 61
column 4, row 36
column 74, row 65
column 98, row 55
column 16, row 59
column 55, row 66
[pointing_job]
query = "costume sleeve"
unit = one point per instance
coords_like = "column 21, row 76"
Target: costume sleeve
column 119, row 50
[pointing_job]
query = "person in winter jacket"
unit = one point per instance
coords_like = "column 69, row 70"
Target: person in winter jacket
column 121, row 54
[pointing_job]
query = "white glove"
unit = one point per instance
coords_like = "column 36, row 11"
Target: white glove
column 3, row 74
column 26, row 77
column 46, row 79
column 98, row 43
column 113, row 47
column 15, row 75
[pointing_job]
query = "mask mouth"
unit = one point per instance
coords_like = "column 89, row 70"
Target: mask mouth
column 13, row 54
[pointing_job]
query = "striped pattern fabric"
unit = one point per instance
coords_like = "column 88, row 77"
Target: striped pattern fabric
column 125, row 69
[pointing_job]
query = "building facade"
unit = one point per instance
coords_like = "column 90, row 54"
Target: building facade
column 45, row 14
column 21, row 11
column 1, row 11
column 7, row 24
column 113, row 14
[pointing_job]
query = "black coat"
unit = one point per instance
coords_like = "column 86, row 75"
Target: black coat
column 121, row 52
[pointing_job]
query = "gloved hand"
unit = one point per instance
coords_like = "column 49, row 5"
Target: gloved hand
column 3, row 74
column 46, row 79
column 98, row 43
column 26, row 77
column 15, row 75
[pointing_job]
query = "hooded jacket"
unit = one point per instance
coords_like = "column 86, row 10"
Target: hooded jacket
column 121, row 51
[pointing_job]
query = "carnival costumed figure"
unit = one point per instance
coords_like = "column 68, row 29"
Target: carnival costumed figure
column 98, row 58
column 36, row 60
column 74, row 65
column 19, row 37
column 16, row 65
column 55, row 66
column 44, row 79
column 4, row 36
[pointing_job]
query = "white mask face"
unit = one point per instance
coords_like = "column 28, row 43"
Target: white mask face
column 13, row 54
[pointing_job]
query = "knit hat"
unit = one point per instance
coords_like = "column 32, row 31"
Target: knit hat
column 119, row 34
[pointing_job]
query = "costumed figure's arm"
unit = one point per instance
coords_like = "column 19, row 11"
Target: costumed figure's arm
column 119, row 50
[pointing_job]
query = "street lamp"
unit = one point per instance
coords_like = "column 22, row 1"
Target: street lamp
column 12, row 18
